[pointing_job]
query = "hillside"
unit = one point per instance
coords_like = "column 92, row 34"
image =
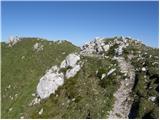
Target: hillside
column 106, row 78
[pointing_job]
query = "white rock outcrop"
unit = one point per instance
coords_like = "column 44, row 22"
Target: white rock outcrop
column 100, row 45
column 93, row 47
column 111, row 71
column 13, row 40
column 35, row 101
column 106, row 47
column 53, row 78
column 38, row 47
column 122, row 43
column 152, row 98
column 72, row 72
column 49, row 83
column 71, row 60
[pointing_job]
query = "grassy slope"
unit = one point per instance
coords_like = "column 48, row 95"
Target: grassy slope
column 145, row 87
column 24, row 74
column 91, row 99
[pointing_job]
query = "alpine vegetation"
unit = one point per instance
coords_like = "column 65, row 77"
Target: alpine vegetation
column 107, row 78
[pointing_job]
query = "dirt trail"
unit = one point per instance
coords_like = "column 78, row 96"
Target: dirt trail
column 123, row 101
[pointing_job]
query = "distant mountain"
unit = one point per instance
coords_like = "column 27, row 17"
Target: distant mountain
column 106, row 78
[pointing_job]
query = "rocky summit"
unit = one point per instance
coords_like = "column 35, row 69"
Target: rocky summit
column 106, row 78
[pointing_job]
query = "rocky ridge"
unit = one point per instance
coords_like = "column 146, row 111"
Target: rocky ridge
column 54, row 78
column 123, row 102
column 120, row 53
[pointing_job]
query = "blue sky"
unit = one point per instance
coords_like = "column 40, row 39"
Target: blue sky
column 80, row 22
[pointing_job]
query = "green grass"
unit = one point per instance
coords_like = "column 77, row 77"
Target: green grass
column 24, row 74
column 80, row 95
column 148, row 86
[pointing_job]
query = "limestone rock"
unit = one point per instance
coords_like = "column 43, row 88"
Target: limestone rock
column 106, row 47
column 40, row 112
column 38, row 47
column 35, row 101
column 111, row 71
column 94, row 47
column 13, row 40
column 70, row 60
column 103, row 76
column 49, row 83
column 152, row 98
column 143, row 69
column 72, row 72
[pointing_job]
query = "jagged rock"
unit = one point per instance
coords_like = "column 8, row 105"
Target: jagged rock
column 143, row 69
column 38, row 47
column 60, row 41
column 40, row 112
column 106, row 48
column 111, row 71
column 152, row 98
column 53, row 69
column 13, row 40
column 49, row 83
column 72, row 72
column 88, row 78
column 103, row 76
column 35, row 101
column 71, row 60
column 94, row 47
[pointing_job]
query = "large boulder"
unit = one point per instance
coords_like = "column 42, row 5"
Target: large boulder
column 72, row 72
column 111, row 71
column 49, row 83
column 106, row 48
column 71, row 60
column 38, row 47
column 13, row 40
column 53, row 78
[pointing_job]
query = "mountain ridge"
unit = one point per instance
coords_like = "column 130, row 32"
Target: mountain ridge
column 100, row 69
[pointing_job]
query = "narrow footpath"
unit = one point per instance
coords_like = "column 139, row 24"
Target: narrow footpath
column 123, row 101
